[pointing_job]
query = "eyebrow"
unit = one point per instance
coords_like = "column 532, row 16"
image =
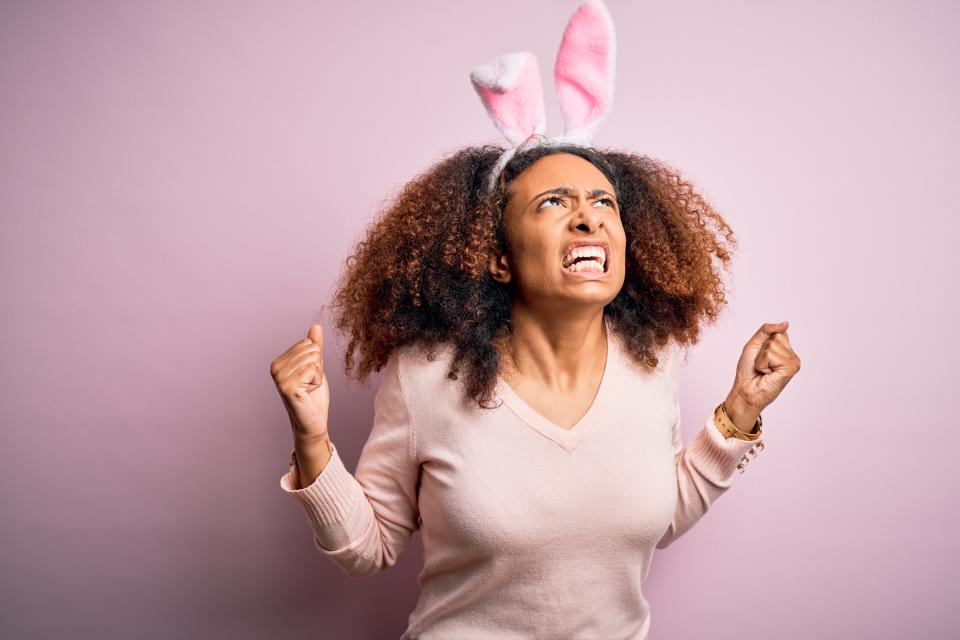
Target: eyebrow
column 566, row 191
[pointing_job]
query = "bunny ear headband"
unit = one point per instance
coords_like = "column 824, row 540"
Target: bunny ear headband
column 510, row 87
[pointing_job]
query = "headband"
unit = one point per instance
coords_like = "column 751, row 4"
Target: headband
column 510, row 87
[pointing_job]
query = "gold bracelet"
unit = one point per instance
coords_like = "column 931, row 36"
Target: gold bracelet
column 730, row 430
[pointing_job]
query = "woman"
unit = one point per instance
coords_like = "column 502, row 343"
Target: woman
column 528, row 422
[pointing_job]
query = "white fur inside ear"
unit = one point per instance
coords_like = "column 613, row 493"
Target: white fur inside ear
column 502, row 72
column 581, row 137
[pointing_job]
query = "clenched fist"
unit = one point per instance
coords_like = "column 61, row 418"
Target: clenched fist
column 298, row 374
column 767, row 364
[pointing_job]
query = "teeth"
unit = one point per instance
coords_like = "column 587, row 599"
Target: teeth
column 586, row 265
column 587, row 251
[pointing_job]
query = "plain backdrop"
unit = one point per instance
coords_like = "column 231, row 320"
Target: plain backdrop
column 182, row 181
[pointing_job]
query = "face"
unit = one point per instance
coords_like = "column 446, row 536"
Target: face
column 556, row 203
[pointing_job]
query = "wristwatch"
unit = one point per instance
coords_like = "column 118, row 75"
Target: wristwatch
column 731, row 430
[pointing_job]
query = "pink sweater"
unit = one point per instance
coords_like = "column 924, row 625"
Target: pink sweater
column 529, row 530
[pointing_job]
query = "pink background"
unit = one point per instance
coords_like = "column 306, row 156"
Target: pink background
column 181, row 183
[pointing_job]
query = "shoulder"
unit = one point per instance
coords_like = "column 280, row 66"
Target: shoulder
column 414, row 382
column 433, row 401
column 423, row 370
column 669, row 360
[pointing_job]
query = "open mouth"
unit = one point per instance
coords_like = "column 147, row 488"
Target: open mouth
column 585, row 259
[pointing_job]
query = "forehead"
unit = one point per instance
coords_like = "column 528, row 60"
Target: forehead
column 558, row 170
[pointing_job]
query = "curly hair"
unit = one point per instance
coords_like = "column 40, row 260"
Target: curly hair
column 420, row 274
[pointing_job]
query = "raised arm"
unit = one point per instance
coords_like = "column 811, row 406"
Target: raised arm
column 364, row 521
column 705, row 468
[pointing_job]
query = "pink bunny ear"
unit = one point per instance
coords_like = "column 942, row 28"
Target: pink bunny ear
column 510, row 88
column 584, row 70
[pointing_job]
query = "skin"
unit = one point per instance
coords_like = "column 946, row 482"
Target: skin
column 556, row 353
column 555, row 357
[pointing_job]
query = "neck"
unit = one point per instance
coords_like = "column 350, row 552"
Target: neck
column 555, row 351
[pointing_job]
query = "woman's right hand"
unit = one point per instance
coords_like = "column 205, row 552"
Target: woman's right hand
column 298, row 375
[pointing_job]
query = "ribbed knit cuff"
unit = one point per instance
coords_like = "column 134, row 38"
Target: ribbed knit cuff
column 717, row 457
column 332, row 496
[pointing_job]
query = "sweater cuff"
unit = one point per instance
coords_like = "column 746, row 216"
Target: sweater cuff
column 332, row 496
column 720, row 457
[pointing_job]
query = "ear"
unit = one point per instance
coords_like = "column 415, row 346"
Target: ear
column 584, row 70
column 510, row 88
column 499, row 267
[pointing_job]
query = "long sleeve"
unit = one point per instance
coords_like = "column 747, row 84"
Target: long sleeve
column 364, row 521
column 705, row 470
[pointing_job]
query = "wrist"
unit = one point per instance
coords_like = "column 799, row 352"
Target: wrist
column 311, row 441
column 310, row 458
column 743, row 415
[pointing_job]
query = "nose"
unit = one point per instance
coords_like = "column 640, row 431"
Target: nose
column 587, row 217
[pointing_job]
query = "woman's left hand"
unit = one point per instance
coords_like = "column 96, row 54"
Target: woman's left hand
column 766, row 365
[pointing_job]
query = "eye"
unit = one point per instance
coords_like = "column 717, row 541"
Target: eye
column 608, row 200
column 543, row 202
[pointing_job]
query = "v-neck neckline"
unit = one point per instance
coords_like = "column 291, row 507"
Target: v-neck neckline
column 568, row 439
